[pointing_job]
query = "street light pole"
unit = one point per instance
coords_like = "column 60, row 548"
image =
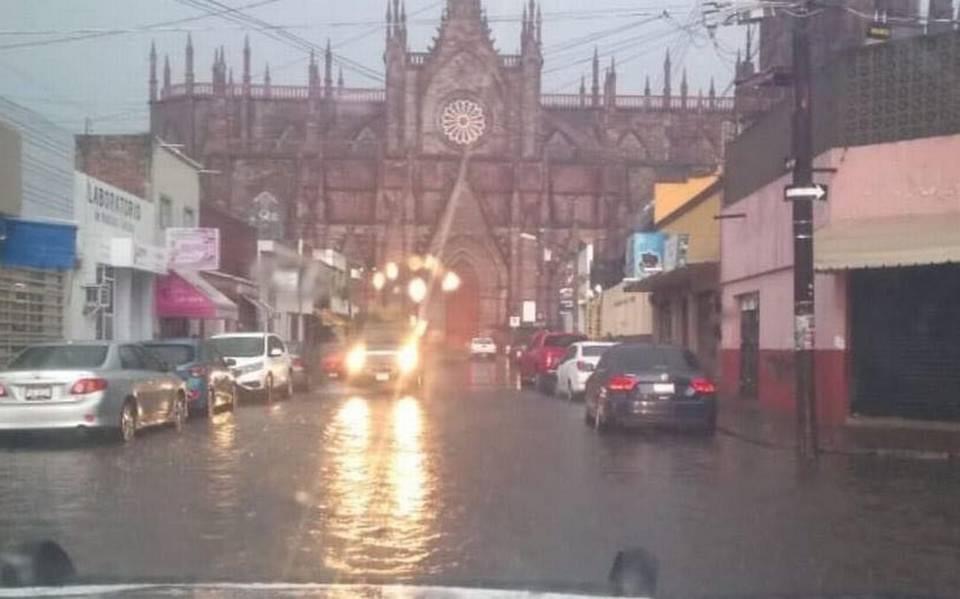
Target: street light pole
column 803, row 274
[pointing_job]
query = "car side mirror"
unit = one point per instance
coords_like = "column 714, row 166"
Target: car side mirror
column 276, row 352
column 229, row 362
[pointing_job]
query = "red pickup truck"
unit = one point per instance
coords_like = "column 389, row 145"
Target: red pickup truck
column 539, row 360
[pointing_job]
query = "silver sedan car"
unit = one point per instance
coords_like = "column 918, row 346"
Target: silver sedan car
column 110, row 386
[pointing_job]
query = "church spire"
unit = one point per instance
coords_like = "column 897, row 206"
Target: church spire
column 539, row 25
column 595, row 88
column 646, row 85
column 683, row 88
column 389, row 20
column 667, row 68
column 463, row 9
column 328, row 70
column 166, row 72
column 583, row 91
column 189, row 65
column 340, row 78
column 246, row 61
column 153, row 72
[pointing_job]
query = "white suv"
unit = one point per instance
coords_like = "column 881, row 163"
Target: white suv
column 483, row 347
column 262, row 363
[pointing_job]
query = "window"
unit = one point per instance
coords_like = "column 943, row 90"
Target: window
column 274, row 343
column 165, row 216
column 150, row 360
column 130, row 359
column 105, row 279
column 571, row 354
column 54, row 357
column 189, row 217
column 174, row 354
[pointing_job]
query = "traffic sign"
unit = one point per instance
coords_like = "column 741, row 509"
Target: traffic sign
column 814, row 191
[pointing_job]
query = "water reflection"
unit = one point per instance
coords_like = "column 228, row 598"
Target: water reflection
column 378, row 520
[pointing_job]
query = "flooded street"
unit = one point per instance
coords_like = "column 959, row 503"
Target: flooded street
column 474, row 482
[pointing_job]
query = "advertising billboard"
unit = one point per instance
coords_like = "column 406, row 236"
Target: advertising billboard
column 645, row 255
column 193, row 249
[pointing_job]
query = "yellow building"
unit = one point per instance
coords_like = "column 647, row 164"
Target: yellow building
column 685, row 304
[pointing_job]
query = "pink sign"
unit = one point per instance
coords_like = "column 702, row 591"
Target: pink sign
column 177, row 298
column 193, row 248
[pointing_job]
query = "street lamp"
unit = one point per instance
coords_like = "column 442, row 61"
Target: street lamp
column 393, row 271
column 379, row 280
column 415, row 263
column 417, row 290
column 451, row 281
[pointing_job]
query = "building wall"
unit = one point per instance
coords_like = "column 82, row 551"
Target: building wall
column 176, row 177
column 11, row 160
column 238, row 240
column 757, row 257
column 700, row 224
column 120, row 160
column 669, row 197
column 47, row 163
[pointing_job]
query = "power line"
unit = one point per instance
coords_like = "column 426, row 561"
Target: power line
column 153, row 27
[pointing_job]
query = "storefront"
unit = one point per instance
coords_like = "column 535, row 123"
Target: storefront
column 118, row 263
column 187, row 305
column 35, row 258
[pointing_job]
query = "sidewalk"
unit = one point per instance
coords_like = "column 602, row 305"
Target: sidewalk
column 882, row 437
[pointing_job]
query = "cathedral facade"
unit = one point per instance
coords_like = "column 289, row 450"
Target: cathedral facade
column 460, row 154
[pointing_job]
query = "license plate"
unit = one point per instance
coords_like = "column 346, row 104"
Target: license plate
column 382, row 376
column 38, row 393
column 659, row 388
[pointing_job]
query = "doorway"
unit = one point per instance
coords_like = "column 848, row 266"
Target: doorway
column 463, row 308
column 749, row 344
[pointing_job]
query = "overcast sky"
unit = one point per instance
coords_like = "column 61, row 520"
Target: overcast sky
column 103, row 74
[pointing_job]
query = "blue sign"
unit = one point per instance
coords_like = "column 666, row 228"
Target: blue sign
column 35, row 244
column 645, row 254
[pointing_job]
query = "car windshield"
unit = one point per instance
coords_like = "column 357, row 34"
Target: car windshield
column 593, row 351
column 239, row 347
column 174, row 354
column 561, row 340
column 60, row 357
column 408, row 228
column 657, row 358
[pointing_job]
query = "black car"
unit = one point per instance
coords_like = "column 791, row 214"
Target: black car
column 643, row 384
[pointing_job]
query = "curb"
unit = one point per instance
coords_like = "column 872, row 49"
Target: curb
column 911, row 454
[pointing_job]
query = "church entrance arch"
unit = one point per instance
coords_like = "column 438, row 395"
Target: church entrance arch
column 462, row 313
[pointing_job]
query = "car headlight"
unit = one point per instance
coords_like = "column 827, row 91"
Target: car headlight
column 248, row 368
column 408, row 358
column 356, row 359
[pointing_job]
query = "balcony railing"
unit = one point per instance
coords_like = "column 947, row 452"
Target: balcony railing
column 641, row 102
column 276, row 92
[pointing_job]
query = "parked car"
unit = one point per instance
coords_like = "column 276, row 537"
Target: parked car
column 301, row 363
column 642, row 384
column 483, row 347
column 577, row 365
column 539, row 361
column 109, row 386
column 262, row 363
column 209, row 375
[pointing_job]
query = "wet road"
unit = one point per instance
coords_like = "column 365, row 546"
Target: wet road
column 471, row 482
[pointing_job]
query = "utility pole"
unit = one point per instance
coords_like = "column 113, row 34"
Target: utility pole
column 803, row 276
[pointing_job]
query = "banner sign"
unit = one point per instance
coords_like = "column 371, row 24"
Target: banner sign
column 195, row 249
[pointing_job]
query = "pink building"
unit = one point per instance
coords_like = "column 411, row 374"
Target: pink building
column 887, row 252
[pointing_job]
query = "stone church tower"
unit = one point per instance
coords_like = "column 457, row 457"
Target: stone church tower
column 461, row 155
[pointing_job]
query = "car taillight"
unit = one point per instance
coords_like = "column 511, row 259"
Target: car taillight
column 703, row 386
column 298, row 362
column 621, row 383
column 86, row 386
column 3, row 391
column 198, row 371
column 584, row 366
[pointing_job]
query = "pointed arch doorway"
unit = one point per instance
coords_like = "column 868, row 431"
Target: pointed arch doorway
column 462, row 307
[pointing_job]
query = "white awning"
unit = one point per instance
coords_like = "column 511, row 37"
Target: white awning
column 911, row 240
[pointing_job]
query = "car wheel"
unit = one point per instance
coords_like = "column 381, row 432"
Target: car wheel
column 211, row 401
column 601, row 422
column 179, row 412
column 127, row 429
column 268, row 389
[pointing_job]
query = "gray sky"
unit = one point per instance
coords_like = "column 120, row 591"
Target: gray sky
column 104, row 76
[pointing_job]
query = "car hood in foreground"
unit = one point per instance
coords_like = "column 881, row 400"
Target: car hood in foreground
column 279, row 590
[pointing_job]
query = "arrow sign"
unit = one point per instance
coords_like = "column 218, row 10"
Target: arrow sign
column 811, row 192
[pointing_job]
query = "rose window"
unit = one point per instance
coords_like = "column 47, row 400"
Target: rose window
column 463, row 122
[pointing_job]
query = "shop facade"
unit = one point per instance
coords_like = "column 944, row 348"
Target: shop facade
column 112, row 291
